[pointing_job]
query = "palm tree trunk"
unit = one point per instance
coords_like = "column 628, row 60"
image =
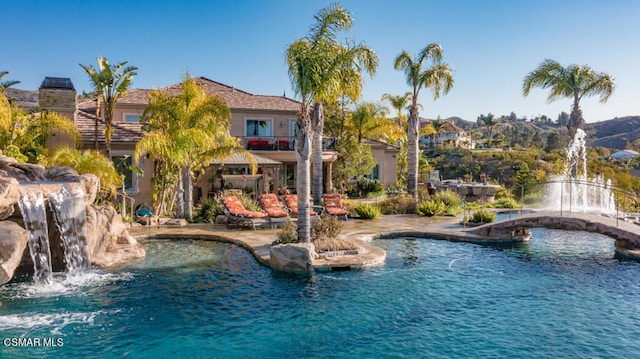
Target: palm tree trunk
column 317, row 123
column 108, row 128
column 575, row 120
column 180, row 194
column 188, row 193
column 412, row 153
column 95, row 129
column 303, row 183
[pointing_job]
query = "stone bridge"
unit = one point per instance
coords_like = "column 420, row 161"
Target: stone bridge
column 626, row 234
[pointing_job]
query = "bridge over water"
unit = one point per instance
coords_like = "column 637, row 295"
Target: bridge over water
column 626, row 234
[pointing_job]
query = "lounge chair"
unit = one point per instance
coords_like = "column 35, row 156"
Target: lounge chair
column 237, row 214
column 291, row 203
column 273, row 208
column 333, row 205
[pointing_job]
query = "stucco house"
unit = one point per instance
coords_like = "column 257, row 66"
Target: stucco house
column 264, row 124
column 451, row 135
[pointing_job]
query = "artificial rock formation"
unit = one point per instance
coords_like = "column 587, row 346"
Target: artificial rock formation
column 294, row 257
column 108, row 240
column 13, row 241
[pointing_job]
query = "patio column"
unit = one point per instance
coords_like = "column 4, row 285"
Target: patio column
column 328, row 184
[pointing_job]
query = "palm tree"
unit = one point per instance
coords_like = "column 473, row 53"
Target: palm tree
column 321, row 70
column 399, row 103
column 111, row 82
column 369, row 120
column 438, row 126
column 88, row 161
column 23, row 135
column 440, row 79
column 489, row 121
column 186, row 132
column 6, row 83
column 573, row 82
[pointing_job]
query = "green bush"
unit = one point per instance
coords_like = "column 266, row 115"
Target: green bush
column 431, row 208
column 208, row 211
column 533, row 198
column 328, row 227
column 400, row 204
column 482, row 216
column 288, row 234
column 367, row 211
column 506, row 203
column 370, row 188
column 249, row 203
column 449, row 198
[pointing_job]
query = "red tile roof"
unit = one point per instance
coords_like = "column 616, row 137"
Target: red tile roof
column 235, row 98
column 123, row 132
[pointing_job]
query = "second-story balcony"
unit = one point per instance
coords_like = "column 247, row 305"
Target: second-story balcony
column 274, row 143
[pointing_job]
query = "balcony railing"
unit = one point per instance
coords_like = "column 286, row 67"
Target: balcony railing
column 282, row 143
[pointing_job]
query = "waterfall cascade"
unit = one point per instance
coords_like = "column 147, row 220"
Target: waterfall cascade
column 35, row 221
column 69, row 211
column 573, row 191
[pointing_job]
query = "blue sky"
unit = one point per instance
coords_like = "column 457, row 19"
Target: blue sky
column 491, row 45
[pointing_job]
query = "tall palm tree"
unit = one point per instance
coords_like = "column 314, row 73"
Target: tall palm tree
column 321, row 70
column 187, row 131
column 6, row 83
column 489, row 121
column 111, row 82
column 439, row 78
column 573, row 82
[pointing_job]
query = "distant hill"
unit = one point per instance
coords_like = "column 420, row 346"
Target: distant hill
column 23, row 98
column 615, row 134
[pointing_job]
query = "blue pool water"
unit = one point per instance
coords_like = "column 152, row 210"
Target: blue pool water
column 563, row 295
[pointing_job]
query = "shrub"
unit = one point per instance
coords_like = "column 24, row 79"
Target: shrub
column 367, row 211
column 370, row 188
column 330, row 245
column 288, row 234
column 327, row 227
column 400, row 204
column 350, row 206
column 506, row 203
column 209, row 209
column 249, row 203
column 449, row 198
column 533, row 198
column 482, row 216
column 471, row 205
column 430, row 208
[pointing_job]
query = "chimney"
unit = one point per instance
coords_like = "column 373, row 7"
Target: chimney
column 57, row 94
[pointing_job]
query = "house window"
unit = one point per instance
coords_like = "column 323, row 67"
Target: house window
column 258, row 127
column 375, row 173
column 131, row 117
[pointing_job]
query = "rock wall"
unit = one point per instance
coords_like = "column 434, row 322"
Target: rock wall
column 109, row 241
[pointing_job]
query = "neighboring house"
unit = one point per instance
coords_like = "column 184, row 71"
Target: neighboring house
column 624, row 154
column 385, row 170
column 264, row 124
column 449, row 135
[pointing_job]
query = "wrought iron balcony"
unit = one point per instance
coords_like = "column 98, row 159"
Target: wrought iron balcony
column 280, row 143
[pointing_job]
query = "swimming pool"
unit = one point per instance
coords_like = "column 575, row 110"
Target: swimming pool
column 561, row 295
